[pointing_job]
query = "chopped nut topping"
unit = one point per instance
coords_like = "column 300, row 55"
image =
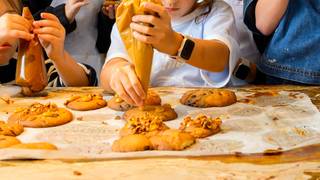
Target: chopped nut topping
column 201, row 121
column 38, row 108
column 146, row 124
column 84, row 98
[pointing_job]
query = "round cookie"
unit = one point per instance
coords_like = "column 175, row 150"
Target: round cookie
column 164, row 112
column 145, row 125
column 204, row 98
column 41, row 116
column 10, row 129
column 116, row 103
column 201, row 127
column 7, row 141
column 172, row 140
column 40, row 146
column 130, row 143
column 86, row 102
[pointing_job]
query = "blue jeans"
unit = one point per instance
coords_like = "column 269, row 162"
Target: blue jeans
column 264, row 79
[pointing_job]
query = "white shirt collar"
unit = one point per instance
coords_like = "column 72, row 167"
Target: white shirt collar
column 191, row 16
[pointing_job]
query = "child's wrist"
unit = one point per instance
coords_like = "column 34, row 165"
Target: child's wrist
column 178, row 38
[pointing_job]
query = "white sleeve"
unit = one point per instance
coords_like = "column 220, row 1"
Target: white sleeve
column 220, row 25
column 117, row 48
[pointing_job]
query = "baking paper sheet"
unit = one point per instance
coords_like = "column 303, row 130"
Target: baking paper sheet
column 286, row 121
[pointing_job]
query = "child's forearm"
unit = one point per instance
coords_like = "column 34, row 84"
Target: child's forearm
column 210, row 55
column 268, row 14
column 70, row 72
column 108, row 70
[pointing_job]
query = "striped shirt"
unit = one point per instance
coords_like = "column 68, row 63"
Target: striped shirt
column 8, row 72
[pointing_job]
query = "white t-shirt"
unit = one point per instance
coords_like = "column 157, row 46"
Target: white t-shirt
column 248, row 48
column 219, row 25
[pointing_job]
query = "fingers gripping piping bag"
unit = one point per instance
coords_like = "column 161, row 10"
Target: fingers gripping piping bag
column 140, row 53
column 31, row 71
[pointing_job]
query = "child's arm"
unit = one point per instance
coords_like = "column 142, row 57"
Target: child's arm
column 65, row 12
column 164, row 39
column 51, row 35
column 268, row 14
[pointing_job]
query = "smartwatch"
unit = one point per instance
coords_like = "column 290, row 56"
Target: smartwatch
column 185, row 50
column 245, row 70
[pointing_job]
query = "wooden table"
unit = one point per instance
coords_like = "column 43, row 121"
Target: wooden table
column 301, row 163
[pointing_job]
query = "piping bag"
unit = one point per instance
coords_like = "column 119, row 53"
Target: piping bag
column 31, row 71
column 140, row 53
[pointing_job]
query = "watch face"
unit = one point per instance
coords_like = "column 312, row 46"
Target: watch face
column 242, row 72
column 187, row 49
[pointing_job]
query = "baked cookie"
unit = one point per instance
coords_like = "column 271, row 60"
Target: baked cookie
column 172, row 140
column 10, row 129
column 201, row 127
column 41, row 116
column 116, row 103
column 86, row 102
column 204, row 98
column 130, row 143
column 146, row 125
column 164, row 112
column 7, row 141
column 40, row 146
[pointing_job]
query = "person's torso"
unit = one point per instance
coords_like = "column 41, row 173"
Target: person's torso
column 81, row 42
column 248, row 47
column 169, row 72
column 8, row 72
column 293, row 52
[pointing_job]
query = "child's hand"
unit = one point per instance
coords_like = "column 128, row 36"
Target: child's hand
column 109, row 9
column 126, row 84
column 156, row 31
column 51, row 35
column 72, row 8
column 13, row 27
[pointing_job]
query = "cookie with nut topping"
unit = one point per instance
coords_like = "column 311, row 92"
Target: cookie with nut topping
column 202, row 126
column 10, row 129
column 205, row 98
column 147, row 125
column 118, row 104
column 164, row 112
column 86, row 102
column 41, row 116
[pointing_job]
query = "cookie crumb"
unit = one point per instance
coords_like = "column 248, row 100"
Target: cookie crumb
column 80, row 118
column 117, row 118
column 77, row 173
column 238, row 154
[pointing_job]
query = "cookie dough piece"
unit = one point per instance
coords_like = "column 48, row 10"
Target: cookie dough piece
column 41, row 116
column 146, row 125
column 116, row 103
column 10, row 129
column 130, row 143
column 35, row 146
column 202, row 126
column 7, row 141
column 164, row 112
column 204, row 98
column 172, row 140
column 86, row 102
